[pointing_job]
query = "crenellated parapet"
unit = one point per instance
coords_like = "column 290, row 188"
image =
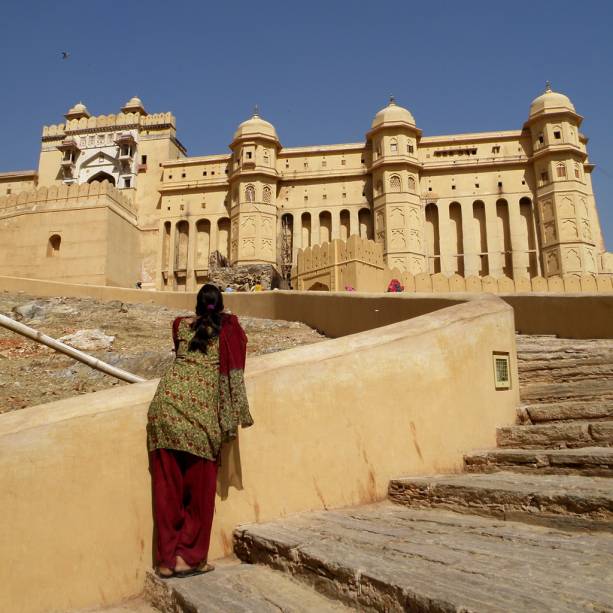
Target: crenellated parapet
column 56, row 197
column 108, row 122
column 358, row 264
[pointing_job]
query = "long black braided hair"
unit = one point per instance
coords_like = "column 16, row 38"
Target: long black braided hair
column 209, row 308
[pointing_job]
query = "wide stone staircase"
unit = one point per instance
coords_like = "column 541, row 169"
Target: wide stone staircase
column 527, row 527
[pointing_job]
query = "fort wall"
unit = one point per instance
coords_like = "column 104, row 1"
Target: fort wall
column 358, row 264
column 336, row 314
column 89, row 535
column 80, row 233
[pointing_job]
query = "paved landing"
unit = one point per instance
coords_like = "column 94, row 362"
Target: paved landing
column 387, row 557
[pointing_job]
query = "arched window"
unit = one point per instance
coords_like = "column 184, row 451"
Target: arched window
column 102, row 176
column 266, row 194
column 577, row 171
column 250, row 193
column 411, row 184
column 393, row 146
column 394, row 183
column 53, row 246
column 561, row 170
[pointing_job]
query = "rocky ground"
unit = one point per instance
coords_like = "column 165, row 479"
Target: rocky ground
column 136, row 338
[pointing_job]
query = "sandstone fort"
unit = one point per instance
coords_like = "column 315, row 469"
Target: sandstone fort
column 116, row 200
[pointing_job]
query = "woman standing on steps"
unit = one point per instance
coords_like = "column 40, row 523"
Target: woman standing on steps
column 199, row 404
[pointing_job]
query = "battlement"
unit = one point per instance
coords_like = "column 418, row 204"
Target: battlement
column 359, row 264
column 66, row 196
column 112, row 121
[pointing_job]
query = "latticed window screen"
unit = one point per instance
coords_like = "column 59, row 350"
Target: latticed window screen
column 395, row 183
column 502, row 371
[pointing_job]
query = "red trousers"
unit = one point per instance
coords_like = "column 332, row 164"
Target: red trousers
column 183, row 504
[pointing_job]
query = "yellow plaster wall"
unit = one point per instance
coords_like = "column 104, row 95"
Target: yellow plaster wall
column 334, row 423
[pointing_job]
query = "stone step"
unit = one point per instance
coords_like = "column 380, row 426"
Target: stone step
column 595, row 461
column 566, row 411
column 563, row 372
column 386, row 557
column 557, row 435
column 563, row 501
column 582, row 391
column 236, row 588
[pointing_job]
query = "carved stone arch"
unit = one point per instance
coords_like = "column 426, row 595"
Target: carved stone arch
column 250, row 193
column 393, row 145
column 102, row 176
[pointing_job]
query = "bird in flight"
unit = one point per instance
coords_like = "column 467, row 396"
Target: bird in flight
column 65, row 55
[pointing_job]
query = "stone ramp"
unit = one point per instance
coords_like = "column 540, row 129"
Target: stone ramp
column 592, row 461
column 237, row 588
column 562, row 501
column 386, row 557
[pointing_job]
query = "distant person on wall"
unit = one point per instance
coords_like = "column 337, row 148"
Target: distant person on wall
column 199, row 404
column 139, row 285
column 395, row 286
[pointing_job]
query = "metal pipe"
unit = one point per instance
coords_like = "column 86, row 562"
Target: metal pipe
column 85, row 358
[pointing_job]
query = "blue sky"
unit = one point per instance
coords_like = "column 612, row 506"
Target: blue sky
column 318, row 70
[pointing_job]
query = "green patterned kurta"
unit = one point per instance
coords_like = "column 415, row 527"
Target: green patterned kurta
column 184, row 413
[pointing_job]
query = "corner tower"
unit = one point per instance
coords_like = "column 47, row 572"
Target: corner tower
column 567, row 218
column 398, row 223
column 253, row 192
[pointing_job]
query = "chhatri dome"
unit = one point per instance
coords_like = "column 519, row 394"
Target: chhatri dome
column 134, row 105
column 77, row 111
column 392, row 113
column 550, row 101
column 255, row 125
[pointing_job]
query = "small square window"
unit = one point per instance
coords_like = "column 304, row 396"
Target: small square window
column 410, row 147
column 429, row 189
column 9, row 190
column 344, row 195
column 170, row 176
column 502, row 371
column 212, row 172
column 204, row 173
column 544, row 177
column 127, row 182
column 557, row 134
column 249, row 155
column 453, row 187
column 523, row 181
column 143, row 159
column 499, row 183
column 183, row 175
column 541, row 139
column 343, row 162
column 476, row 185
column 325, row 196
column 324, row 163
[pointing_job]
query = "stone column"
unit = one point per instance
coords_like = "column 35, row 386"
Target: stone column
column 335, row 230
column 445, row 238
column 493, row 242
column 470, row 240
column 354, row 222
column 213, row 246
column 160, row 264
column 190, row 281
column 519, row 241
column 315, row 228
column 172, row 255
column 296, row 237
